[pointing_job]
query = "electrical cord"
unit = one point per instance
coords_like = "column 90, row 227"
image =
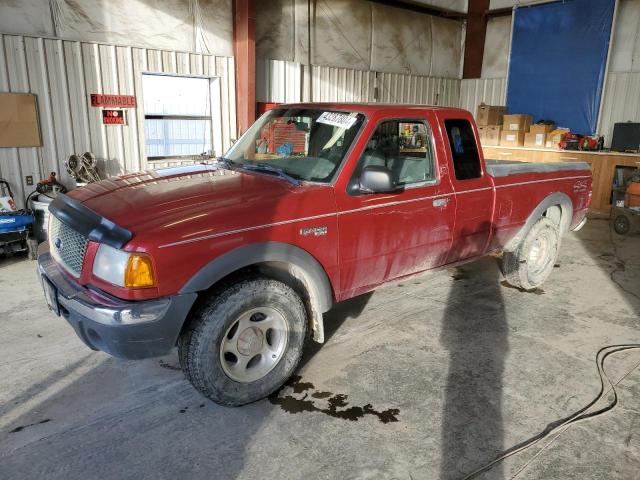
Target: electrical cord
column 578, row 416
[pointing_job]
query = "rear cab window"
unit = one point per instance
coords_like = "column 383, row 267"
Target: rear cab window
column 464, row 150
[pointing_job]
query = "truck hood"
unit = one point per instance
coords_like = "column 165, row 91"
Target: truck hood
column 173, row 204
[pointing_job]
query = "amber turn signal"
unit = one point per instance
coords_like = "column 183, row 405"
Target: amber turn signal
column 139, row 272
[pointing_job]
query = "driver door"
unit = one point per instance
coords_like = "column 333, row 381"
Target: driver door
column 384, row 236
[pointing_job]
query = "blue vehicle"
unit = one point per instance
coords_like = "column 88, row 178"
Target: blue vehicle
column 15, row 225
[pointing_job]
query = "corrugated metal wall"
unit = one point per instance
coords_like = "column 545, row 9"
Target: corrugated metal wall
column 491, row 91
column 620, row 102
column 281, row 81
column 63, row 74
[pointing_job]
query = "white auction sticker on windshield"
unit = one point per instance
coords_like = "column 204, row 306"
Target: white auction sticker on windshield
column 336, row 119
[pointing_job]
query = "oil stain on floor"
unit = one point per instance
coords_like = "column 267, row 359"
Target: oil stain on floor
column 336, row 404
column 460, row 274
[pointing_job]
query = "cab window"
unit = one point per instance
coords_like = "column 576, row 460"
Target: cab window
column 404, row 147
column 464, row 151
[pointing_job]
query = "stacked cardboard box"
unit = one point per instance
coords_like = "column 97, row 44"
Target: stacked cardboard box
column 489, row 121
column 514, row 128
column 554, row 137
column 537, row 135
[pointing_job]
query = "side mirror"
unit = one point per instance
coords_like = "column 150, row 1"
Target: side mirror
column 377, row 179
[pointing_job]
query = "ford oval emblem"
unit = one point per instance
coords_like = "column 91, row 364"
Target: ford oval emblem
column 58, row 243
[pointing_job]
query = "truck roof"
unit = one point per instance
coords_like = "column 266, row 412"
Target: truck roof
column 370, row 107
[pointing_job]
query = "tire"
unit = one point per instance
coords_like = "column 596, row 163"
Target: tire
column 532, row 262
column 244, row 343
column 621, row 224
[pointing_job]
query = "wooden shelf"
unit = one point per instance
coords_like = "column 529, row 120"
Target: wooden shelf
column 603, row 167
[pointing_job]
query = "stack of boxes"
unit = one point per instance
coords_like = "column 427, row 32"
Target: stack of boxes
column 537, row 136
column 554, row 137
column 514, row 128
column 489, row 121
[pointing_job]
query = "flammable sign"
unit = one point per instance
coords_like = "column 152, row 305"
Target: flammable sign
column 114, row 117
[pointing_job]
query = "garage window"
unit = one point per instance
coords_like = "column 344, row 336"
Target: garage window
column 177, row 117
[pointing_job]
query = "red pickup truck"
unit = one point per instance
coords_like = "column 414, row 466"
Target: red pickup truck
column 235, row 262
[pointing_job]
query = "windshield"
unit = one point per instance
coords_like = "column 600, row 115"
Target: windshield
column 302, row 143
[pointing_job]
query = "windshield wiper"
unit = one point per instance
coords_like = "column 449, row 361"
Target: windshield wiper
column 272, row 170
column 226, row 163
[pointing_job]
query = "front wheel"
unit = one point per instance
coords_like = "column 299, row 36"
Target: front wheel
column 245, row 343
column 532, row 262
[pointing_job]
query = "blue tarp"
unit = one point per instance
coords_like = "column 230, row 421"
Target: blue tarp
column 558, row 61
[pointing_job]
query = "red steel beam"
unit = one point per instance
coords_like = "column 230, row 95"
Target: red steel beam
column 244, row 51
column 475, row 38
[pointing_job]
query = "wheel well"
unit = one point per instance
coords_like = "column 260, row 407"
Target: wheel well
column 554, row 213
column 286, row 273
column 560, row 215
column 557, row 207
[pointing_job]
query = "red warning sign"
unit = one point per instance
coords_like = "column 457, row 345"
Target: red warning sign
column 105, row 100
column 113, row 117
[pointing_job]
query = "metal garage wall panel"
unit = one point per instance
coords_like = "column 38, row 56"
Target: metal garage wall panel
column 63, row 73
column 139, row 64
column 131, row 156
column 196, row 64
column 113, row 133
column 26, row 158
column 183, row 65
column 93, row 82
column 60, row 108
column 280, row 81
column 38, row 83
column 154, row 60
column 491, row 91
column 77, row 97
column 620, row 103
column 9, row 161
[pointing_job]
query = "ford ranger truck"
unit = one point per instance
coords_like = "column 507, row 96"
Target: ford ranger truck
column 236, row 262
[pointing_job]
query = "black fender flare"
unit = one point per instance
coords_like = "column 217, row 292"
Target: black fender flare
column 557, row 198
column 302, row 265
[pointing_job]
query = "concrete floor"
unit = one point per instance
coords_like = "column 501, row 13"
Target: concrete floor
column 425, row 379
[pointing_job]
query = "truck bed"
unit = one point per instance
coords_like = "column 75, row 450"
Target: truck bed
column 504, row 168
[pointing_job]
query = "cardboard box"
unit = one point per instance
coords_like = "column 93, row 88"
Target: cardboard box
column 517, row 122
column 482, row 133
column 535, row 140
column 541, row 128
column 492, row 135
column 555, row 137
column 489, row 114
column 511, row 138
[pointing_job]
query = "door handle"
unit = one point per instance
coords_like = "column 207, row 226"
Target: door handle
column 440, row 202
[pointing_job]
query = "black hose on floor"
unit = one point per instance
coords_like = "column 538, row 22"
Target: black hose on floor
column 577, row 416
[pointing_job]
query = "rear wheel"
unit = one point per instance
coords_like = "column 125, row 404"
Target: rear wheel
column 532, row 262
column 245, row 343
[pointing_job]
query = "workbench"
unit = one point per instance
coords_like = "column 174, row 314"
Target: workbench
column 603, row 166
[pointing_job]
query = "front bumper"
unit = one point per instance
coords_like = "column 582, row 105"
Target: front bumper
column 124, row 329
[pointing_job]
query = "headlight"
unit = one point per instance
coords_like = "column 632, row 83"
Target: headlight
column 130, row 270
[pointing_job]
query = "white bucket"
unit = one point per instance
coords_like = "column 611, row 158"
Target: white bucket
column 40, row 207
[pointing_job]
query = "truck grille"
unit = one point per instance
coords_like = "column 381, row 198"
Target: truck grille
column 66, row 245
